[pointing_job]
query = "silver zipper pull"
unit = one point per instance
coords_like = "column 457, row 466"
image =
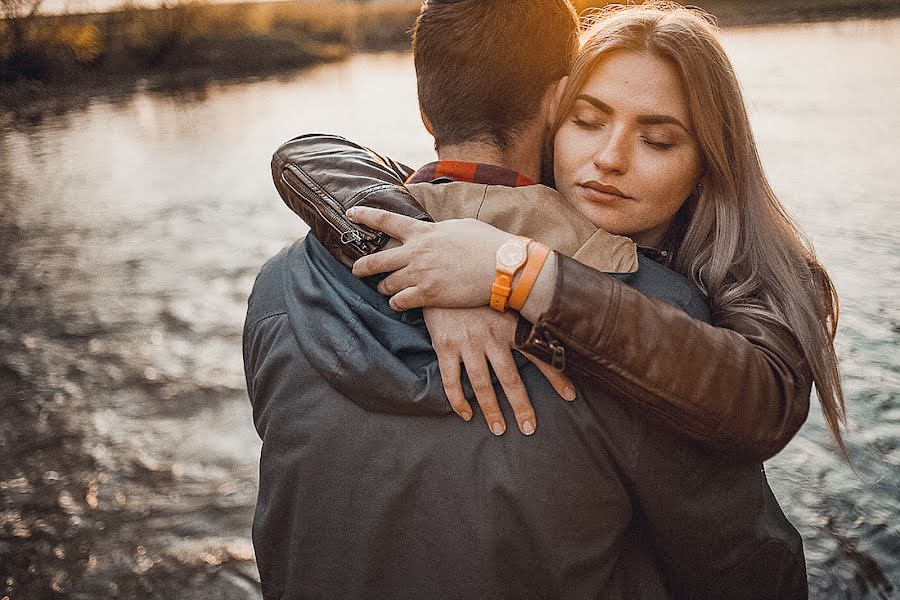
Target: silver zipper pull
column 559, row 355
column 351, row 237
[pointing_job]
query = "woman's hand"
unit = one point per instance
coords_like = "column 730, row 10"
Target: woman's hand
column 448, row 264
column 474, row 337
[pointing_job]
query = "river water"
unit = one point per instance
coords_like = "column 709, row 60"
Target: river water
column 134, row 226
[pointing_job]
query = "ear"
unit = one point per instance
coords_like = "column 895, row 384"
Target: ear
column 555, row 100
column 425, row 121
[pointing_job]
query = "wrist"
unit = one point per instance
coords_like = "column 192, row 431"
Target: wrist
column 527, row 276
column 542, row 291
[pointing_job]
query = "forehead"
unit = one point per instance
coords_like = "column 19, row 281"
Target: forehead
column 638, row 83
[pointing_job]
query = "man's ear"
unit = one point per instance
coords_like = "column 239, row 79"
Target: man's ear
column 555, row 100
column 426, row 121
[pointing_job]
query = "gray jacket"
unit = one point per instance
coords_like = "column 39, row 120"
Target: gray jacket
column 370, row 487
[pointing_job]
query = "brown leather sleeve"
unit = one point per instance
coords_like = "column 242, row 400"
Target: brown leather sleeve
column 742, row 386
column 320, row 176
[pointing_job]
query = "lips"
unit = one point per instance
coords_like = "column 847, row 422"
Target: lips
column 603, row 192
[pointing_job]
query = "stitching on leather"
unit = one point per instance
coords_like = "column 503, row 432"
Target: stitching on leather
column 612, row 313
column 311, row 183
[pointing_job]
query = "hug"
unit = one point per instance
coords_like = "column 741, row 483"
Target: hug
column 596, row 256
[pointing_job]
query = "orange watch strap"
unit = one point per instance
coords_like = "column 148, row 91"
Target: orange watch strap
column 503, row 282
column 500, row 290
column 536, row 259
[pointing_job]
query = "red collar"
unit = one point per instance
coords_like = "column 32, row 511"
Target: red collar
column 444, row 171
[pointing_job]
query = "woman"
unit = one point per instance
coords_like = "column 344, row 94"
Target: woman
column 653, row 142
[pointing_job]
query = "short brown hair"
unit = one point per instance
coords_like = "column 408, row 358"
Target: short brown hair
column 483, row 66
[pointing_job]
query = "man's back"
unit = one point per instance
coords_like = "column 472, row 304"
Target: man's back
column 370, row 487
column 360, row 503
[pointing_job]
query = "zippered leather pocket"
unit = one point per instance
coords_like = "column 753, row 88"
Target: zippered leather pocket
column 331, row 212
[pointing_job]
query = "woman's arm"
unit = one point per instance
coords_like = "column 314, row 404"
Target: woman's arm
column 742, row 386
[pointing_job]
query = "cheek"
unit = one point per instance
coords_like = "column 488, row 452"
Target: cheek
column 568, row 154
column 668, row 180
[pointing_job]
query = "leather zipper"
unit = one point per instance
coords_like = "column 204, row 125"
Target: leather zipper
column 330, row 211
column 557, row 350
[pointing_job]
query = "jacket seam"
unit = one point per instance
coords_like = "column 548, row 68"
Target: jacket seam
column 311, row 183
column 481, row 204
column 266, row 316
column 362, row 194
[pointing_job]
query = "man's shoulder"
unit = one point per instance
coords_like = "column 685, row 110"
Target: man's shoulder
column 267, row 298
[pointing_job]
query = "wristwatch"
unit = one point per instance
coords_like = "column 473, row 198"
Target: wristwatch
column 511, row 257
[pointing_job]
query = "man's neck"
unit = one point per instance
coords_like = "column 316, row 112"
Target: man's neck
column 521, row 157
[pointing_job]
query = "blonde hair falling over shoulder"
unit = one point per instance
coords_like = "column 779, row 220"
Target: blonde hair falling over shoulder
column 733, row 238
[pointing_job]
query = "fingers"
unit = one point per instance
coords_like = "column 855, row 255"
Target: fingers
column 382, row 262
column 397, row 281
column 396, row 226
column 480, row 377
column 448, row 362
column 562, row 384
column 411, row 297
column 511, row 382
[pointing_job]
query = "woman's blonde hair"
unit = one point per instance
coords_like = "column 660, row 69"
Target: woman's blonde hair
column 732, row 237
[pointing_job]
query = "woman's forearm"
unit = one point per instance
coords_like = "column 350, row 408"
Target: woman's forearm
column 741, row 386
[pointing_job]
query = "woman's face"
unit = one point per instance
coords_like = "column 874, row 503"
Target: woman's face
column 625, row 156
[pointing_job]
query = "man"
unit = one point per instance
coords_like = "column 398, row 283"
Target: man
column 369, row 489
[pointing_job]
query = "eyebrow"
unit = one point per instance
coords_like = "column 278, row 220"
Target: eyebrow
column 642, row 119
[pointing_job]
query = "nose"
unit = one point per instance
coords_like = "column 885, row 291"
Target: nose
column 612, row 155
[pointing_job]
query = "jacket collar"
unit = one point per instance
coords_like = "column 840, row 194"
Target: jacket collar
column 445, row 171
column 663, row 257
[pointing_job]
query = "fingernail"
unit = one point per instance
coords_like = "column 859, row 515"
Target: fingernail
column 498, row 428
column 351, row 212
column 466, row 415
column 527, row 427
column 569, row 394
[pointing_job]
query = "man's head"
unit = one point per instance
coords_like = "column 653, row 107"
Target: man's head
column 483, row 66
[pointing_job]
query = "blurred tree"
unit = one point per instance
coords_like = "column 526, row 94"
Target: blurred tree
column 18, row 10
column 17, row 16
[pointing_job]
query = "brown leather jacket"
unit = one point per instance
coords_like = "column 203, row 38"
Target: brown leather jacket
column 742, row 386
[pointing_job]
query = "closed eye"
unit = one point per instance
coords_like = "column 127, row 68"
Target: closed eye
column 659, row 145
column 587, row 124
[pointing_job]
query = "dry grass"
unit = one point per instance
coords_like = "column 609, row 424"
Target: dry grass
column 226, row 38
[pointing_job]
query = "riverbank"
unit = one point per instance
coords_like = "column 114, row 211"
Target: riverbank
column 66, row 59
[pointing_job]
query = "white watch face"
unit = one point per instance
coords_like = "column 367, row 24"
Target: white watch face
column 511, row 255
